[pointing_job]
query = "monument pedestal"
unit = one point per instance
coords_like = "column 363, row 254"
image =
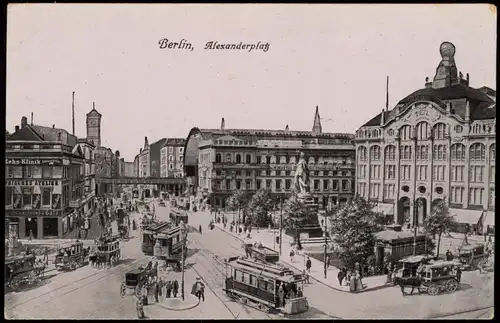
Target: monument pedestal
column 312, row 228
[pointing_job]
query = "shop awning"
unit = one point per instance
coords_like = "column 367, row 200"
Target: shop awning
column 466, row 216
column 387, row 209
column 490, row 219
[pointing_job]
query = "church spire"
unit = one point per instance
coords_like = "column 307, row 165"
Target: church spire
column 317, row 122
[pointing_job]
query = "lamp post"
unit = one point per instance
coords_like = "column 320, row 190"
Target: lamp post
column 281, row 222
column 184, row 238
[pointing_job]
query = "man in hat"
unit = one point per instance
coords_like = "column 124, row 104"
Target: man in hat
column 198, row 289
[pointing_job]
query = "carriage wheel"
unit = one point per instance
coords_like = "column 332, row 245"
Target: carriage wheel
column 244, row 300
column 433, row 290
column 72, row 265
column 14, row 283
column 123, row 290
column 451, row 285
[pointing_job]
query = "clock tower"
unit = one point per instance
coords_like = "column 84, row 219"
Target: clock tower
column 94, row 126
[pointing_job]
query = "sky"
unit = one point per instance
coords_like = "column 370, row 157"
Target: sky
column 336, row 57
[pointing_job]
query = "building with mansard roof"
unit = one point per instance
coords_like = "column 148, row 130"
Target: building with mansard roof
column 219, row 161
column 437, row 143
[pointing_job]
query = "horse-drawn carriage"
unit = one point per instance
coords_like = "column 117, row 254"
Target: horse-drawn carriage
column 473, row 257
column 434, row 278
column 107, row 251
column 70, row 256
column 407, row 267
column 22, row 269
column 136, row 280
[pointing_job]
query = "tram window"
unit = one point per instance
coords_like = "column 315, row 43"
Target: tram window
column 252, row 280
column 270, row 287
column 262, row 284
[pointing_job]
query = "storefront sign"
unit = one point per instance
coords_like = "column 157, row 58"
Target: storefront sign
column 24, row 161
column 33, row 213
column 32, row 183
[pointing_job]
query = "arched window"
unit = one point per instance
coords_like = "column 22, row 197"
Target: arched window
column 218, row 158
column 374, row 133
column 390, row 153
column 405, row 132
column 283, row 160
column 405, row 152
column 238, row 158
column 439, row 131
column 375, row 153
column 457, row 152
column 268, row 159
column 249, row 159
column 492, row 152
column 362, row 153
column 477, row 152
column 422, row 130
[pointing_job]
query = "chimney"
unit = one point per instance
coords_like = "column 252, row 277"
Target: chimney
column 24, row 122
column 467, row 112
column 59, row 136
column 448, row 107
column 382, row 118
column 428, row 84
column 467, row 77
column 387, row 95
column 17, row 128
column 31, row 118
column 222, row 124
column 53, row 126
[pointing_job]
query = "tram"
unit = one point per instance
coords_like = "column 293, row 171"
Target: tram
column 176, row 217
column 168, row 246
column 257, row 283
column 148, row 236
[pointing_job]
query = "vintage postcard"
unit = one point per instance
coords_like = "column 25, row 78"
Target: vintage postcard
column 250, row 161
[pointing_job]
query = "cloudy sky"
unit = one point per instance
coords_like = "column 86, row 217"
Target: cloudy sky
column 336, row 57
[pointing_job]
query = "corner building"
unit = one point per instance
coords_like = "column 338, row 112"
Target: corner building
column 220, row 161
column 437, row 143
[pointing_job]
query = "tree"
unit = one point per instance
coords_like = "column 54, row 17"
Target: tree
column 353, row 230
column 238, row 201
column 440, row 221
column 259, row 208
column 297, row 215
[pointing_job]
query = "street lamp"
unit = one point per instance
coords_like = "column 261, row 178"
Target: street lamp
column 328, row 210
column 184, row 238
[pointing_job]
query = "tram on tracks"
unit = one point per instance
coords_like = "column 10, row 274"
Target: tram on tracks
column 148, row 236
column 177, row 216
column 257, row 284
column 168, row 246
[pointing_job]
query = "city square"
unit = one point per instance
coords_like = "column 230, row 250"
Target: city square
column 212, row 206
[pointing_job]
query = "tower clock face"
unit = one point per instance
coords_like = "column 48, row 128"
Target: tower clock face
column 93, row 122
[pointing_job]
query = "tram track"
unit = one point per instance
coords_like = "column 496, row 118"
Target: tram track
column 217, row 281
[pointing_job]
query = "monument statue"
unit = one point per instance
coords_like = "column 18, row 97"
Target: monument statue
column 302, row 176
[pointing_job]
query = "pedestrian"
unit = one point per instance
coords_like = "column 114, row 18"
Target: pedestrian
column 161, row 283
column 327, row 261
column 306, row 277
column 292, row 254
column 199, row 228
column 169, row 289
column 459, row 274
column 269, row 227
column 340, row 277
column 156, row 291
column 30, row 238
column 308, row 265
column 175, row 288
column 46, row 256
column 140, row 309
column 145, row 295
column 281, row 296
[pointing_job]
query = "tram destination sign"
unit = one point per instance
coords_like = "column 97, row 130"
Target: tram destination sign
column 26, row 161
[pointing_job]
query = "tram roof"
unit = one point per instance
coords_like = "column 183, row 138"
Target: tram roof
column 441, row 264
column 267, row 270
column 158, row 226
column 11, row 259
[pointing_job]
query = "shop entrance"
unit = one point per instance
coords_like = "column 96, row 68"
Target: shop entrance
column 31, row 227
column 50, row 227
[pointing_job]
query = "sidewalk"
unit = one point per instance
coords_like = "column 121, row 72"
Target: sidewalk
column 317, row 273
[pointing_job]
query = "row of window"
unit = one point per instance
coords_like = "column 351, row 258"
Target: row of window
column 280, row 159
column 457, row 193
column 254, row 280
column 477, row 152
column 33, row 171
column 278, row 184
column 269, row 172
column 27, row 199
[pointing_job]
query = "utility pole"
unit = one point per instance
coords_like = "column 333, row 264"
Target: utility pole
column 184, row 238
column 281, row 222
column 328, row 209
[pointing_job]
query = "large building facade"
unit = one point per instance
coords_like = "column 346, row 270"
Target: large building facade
column 172, row 157
column 438, row 143
column 155, row 157
column 43, row 181
column 219, row 161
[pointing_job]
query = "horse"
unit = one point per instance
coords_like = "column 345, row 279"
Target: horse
column 413, row 282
